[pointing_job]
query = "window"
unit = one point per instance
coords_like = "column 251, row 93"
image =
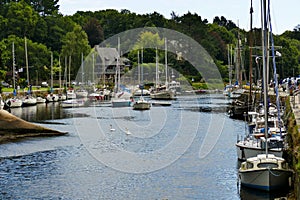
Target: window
column 267, row 165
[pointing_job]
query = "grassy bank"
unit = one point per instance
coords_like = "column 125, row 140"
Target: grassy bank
column 293, row 138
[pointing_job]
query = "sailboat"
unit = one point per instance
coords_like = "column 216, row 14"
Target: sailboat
column 265, row 171
column 141, row 104
column 51, row 97
column 121, row 98
column 82, row 93
column 163, row 92
column 70, row 91
column 13, row 102
column 61, row 95
column 28, row 100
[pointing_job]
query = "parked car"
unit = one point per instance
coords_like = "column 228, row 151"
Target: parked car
column 44, row 84
column 4, row 84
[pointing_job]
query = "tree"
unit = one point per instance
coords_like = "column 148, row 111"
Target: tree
column 22, row 19
column 94, row 31
column 146, row 40
column 75, row 43
column 45, row 7
column 57, row 27
column 38, row 56
column 228, row 24
column 3, row 26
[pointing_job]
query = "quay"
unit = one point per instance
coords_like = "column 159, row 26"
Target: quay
column 292, row 119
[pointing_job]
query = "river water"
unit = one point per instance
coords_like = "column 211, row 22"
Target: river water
column 185, row 151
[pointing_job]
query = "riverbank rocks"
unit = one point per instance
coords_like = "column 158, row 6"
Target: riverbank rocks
column 13, row 128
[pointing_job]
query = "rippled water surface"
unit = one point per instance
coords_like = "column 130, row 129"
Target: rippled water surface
column 177, row 152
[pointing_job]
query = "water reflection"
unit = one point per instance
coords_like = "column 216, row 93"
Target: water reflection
column 40, row 112
column 250, row 194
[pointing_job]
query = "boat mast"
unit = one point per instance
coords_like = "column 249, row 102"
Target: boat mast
column 239, row 63
column 70, row 71
column 59, row 72
column 166, row 61
column 118, row 65
column 51, row 88
column 93, row 71
column 265, row 81
column 250, row 49
column 26, row 60
column 156, row 68
column 14, row 65
column 82, row 66
column 229, row 64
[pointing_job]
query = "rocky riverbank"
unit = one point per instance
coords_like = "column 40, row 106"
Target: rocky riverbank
column 13, row 128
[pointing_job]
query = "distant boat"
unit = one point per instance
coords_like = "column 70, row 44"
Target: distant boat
column 52, row 97
column 40, row 100
column 13, row 103
column 81, row 93
column 62, row 97
column 175, row 86
column 71, row 94
column 96, row 96
column 161, row 103
column 141, row 104
column 138, row 92
column 163, row 92
column 121, row 103
column 120, row 98
column 72, row 103
column 29, row 101
column 163, row 95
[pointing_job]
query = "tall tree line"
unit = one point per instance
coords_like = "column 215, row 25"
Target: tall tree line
column 47, row 30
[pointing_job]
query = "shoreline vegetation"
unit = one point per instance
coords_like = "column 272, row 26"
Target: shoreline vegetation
column 13, row 128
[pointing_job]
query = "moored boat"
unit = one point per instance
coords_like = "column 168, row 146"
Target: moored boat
column 121, row 103
column 29, row 101
column 81, row 93
column 71, row 94
column 13, row 103
column 52, row 97
column 141, row 104
column 72, row 103
column 40, row 100
column 265, row 172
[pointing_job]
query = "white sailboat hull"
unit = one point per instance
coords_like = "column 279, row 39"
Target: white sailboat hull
column 52, row 98
column 72, row 103
column 121, row 103
column 14, row 103
column 71, row 94
column 40, row 100
column 245, row 151
column 62, row 97
column 31, row 101
column 163, row 95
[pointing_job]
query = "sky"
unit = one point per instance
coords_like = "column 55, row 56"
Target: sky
column 284, row 13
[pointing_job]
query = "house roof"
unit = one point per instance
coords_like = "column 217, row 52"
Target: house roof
column 109, row 55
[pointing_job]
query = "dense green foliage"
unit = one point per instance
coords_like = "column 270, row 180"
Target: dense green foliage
column 68, row 37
